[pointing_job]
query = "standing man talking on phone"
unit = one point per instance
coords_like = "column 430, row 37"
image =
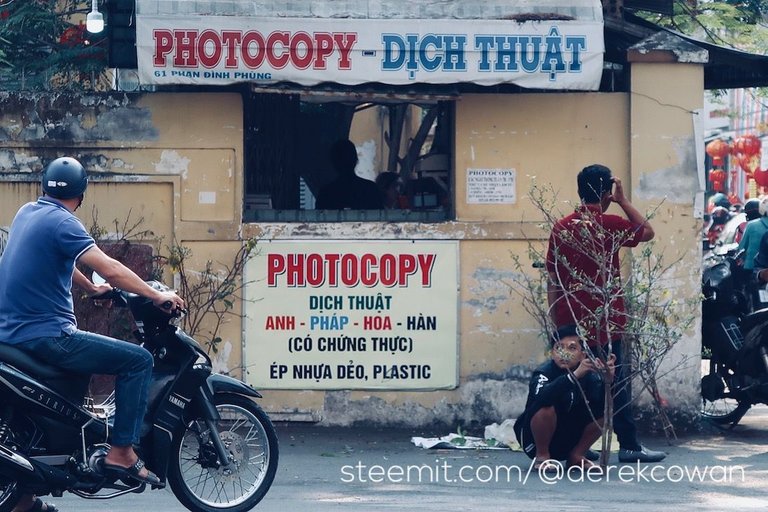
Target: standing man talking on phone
column 582, row 260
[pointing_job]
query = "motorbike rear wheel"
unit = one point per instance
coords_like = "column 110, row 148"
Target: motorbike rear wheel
column 197, row 478
column 718, row 404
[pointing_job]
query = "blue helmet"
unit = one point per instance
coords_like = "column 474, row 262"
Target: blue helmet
column 721, row 199
column 64, row 178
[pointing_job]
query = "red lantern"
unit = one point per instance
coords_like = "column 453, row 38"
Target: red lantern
column 717, row 149
column 717, row 177
column 747, row 145
column 761, row 177
column 749, row 163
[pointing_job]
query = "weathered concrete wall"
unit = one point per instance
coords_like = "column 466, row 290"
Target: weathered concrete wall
column 171, row 162
column 182, row 145
column 547, row 136
column 663, row 151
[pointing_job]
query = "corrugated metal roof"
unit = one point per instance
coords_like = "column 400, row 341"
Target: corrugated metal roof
column 727, row 68
column 586, row 10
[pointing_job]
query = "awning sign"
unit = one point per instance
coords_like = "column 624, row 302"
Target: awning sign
column 220, row 50
column 352, row 315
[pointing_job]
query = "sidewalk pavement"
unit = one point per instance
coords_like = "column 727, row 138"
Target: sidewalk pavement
column 333, row 469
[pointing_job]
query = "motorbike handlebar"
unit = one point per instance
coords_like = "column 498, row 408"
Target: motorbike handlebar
column 116, row 294
column 112, row 294
column 177, row 312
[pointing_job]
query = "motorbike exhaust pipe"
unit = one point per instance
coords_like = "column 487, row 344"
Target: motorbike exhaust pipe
column 18, row 461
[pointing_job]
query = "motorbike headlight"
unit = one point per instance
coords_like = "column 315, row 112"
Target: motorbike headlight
column 202, row 362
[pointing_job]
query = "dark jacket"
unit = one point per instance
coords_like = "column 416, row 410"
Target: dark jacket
column 352, row 192
column 552, row 386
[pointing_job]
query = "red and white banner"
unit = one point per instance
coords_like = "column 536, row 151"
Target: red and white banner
column 219, row 50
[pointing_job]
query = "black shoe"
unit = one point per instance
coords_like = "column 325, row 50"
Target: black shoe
column 591, row 455
column 641, row 455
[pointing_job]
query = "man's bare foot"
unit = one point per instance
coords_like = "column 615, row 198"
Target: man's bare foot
column 585, row 465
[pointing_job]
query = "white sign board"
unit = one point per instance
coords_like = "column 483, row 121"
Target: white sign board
column 220, row 50
column 491, row 186
column 352, row 315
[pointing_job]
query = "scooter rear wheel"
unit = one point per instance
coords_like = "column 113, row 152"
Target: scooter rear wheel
column 718, row 404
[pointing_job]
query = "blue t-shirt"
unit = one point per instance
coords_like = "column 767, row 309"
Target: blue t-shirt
column 36, row 269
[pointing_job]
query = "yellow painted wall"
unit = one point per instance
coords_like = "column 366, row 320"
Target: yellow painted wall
column 551, row 136
column 172, row 164
column 547, row 136
column 187, row 178
column 663, row 156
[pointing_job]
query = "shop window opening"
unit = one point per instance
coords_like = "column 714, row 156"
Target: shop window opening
column 404, row 147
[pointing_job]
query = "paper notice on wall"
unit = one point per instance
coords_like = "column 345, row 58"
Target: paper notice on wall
column 491, row 186
column 207, row 197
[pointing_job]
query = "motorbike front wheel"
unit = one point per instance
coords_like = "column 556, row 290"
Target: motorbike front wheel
column 197, row 478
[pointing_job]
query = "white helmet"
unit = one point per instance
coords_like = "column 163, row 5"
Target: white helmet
column 764, row 206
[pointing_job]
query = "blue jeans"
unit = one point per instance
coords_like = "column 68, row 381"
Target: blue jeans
column 88, row 353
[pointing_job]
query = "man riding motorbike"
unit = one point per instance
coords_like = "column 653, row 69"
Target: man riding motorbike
column 37, row 271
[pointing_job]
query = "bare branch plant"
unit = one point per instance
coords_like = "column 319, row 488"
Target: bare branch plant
column 654, row 319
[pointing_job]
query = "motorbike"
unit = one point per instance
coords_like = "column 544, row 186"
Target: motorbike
column 203, row 434
column 734, row 339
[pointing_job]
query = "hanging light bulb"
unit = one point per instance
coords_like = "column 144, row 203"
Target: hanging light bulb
column 94, row 22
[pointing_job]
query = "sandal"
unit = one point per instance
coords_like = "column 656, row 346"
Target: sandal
column 547, row 466
column 134, row 472
column 589, row 467
column 41, row 506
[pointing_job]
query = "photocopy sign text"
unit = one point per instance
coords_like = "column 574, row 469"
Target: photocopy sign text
column 362, row 315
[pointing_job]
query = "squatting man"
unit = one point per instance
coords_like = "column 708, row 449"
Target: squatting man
column 563, row 415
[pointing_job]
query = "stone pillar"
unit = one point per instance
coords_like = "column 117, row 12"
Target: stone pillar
column 666, row 101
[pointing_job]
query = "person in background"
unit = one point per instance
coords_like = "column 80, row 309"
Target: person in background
column 563, row 414
column 751, row 212
column 348, row 190
column 753, row 233
column 718, row 218
column 389, row 185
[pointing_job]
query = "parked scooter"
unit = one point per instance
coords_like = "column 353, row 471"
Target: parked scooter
column 734, row 339
column 203, row 433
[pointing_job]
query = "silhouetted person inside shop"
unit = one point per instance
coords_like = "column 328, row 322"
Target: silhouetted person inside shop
column 348, row 190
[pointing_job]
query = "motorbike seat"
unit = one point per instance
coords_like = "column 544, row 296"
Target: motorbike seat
column 23, row 361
